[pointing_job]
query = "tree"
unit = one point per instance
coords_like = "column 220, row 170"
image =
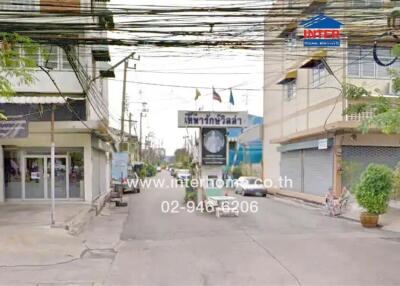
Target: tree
column 385, row 111
column 16, row 62
column 182, row 157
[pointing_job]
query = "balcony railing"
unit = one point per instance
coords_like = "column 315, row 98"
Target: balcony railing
column 360, row 116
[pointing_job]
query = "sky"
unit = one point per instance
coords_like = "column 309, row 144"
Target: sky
column 194, row 67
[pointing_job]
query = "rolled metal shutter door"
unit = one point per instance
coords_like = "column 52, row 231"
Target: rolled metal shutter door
column 291, row 167
column 318, row 168
column 357, row 158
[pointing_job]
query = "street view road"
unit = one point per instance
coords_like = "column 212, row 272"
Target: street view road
column 284, row 243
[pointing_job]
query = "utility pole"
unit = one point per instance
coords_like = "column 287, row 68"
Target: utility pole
column 130, row 124
column 52, row 176
column 124, row 100
column 140, row 136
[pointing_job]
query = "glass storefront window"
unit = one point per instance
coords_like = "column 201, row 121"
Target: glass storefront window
column 12, row 173
column 76, row 175
column 34, row 178
column 35, row 165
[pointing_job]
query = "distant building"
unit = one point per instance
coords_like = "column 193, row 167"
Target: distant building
column 245, row 146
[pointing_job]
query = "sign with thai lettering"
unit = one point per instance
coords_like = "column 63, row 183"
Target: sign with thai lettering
column 199, row 119
column 323, row 144
column 322, row 31
column 14, row 129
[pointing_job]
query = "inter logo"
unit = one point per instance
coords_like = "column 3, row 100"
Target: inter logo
column 322, row 31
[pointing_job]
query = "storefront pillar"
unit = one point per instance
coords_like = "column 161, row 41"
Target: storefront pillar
column 88, row 173
column 2, row 187
column 337, row 166
column 108, row 172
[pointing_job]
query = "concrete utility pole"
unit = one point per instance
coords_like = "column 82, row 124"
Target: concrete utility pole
column 130, row 124
column 124, row 100
column 140, row 135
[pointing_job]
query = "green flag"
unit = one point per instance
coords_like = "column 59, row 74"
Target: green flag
column 198, row 94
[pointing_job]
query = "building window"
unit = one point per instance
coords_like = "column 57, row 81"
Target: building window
column 319, row 75
column 367, row 64
column 361, row 63
column 290, row 90
column 50, row 57
column 26, row 5
column 65, row 65
column 353, row 62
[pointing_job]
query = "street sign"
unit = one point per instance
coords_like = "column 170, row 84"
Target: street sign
column 199, row 119
column 322, row 144
column 14, row 129
column 214, row 146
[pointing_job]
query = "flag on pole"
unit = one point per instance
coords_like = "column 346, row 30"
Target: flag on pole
column 198, row 94
column 216, row 96
column 231, row 99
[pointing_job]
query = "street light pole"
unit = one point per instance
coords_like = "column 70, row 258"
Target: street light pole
column 52, row 167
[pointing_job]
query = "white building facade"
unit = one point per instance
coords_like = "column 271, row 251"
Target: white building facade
column 72, row 86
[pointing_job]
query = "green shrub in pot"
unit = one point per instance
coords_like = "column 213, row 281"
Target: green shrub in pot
column 373, row 192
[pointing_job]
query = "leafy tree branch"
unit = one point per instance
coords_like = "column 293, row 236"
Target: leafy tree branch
column 17, row 61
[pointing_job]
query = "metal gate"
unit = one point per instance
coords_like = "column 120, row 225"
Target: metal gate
column 291, row 168
column 357, row 158
column 310, row 170
column 318, row 171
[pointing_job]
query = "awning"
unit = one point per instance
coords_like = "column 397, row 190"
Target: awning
column 288, row 29
column 289, row 77
column 101, row 54
column 106, row 70
column 35, row 99
column 314, row 60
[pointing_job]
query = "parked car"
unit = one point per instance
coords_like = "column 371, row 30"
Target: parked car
column 250, row 186
column 158, row 169
column 183, row 175
column 130, row 184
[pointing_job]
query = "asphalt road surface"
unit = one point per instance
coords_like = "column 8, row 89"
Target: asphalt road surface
column 282, row 244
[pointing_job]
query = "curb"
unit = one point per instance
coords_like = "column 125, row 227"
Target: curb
column 76, row 225
column 296, row 196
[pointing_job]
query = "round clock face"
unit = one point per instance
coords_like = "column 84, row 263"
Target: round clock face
column 214, row 141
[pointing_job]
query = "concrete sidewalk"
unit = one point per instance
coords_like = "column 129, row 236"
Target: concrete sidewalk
column 27, row 238
column 389, row 221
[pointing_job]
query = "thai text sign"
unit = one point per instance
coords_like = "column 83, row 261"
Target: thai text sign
column 199, row 119
column 14, row 129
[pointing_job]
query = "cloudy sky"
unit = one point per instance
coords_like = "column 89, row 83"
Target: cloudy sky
column 162, row 73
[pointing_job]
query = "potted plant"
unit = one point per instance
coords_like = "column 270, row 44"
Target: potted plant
column 373, row 193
